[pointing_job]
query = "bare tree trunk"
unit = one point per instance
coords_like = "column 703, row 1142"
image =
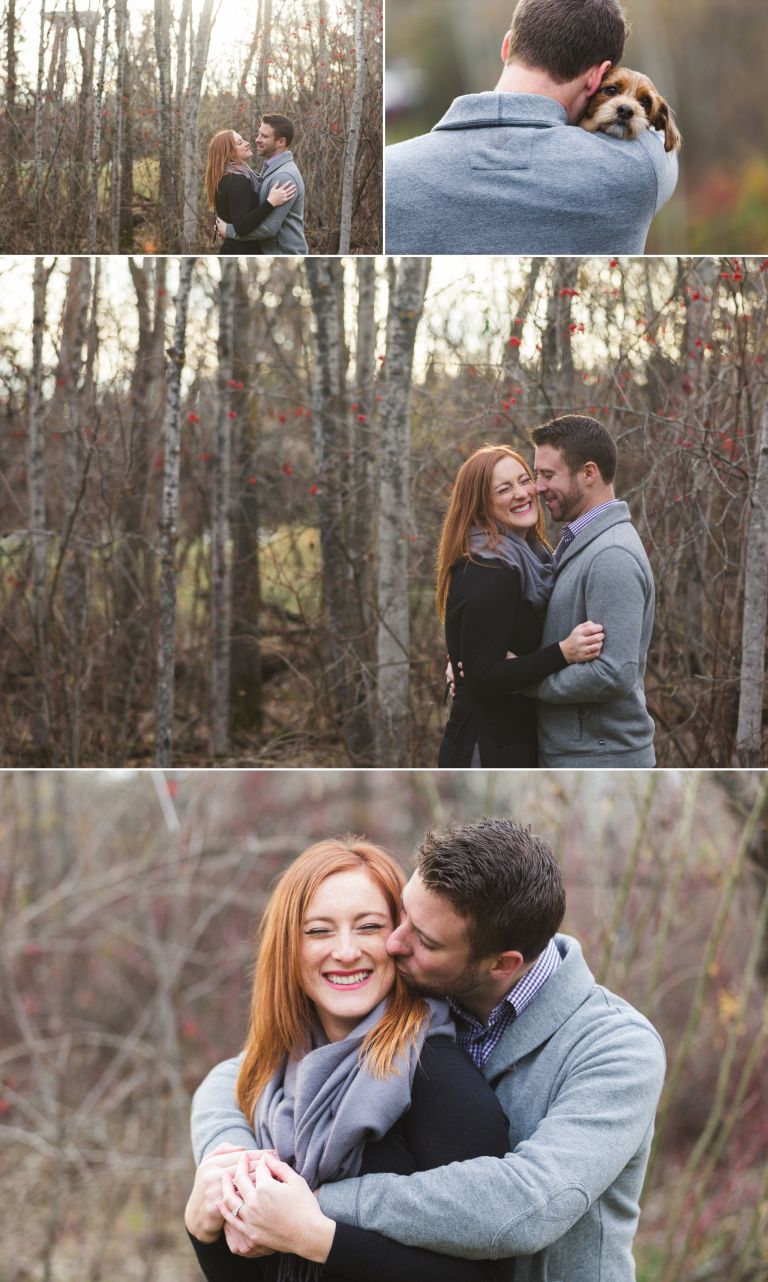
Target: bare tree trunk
column 172, row 444
column 36, row 488
column 353, row 132
column 262, row 69
column 168, row 212
column 221, row 570
column 405, row 309
column 753, row 631
column 556, row 352
column 11, row 173
column 191, row 229
column 245, row 651
column 40, row 231
column 93, row 213
column 74, row 572
column 184, row 46
column 118, row 152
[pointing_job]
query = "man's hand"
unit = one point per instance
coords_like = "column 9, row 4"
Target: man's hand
column 221, row 227
column 202, row 1216
column 276, row 1210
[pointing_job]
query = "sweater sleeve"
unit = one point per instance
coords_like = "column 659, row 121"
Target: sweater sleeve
column 249, row 219
column 215, row 1118
column 616, row 595
column 492, row 598
column 270, row 223
column 454, row 1115
column 600, row 1116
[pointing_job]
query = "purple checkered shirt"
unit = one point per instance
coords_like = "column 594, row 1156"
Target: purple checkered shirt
column 569, row 531
column 480, row 1040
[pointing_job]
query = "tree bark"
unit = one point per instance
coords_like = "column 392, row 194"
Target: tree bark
column 245, row 651
column 36, row 491
column 167, row 213
column 221, row 569
column 753, row 631
column 172, row 444
column 405, row 309
column 353, row 131
column 190, row 222
column 118, row 146
column 93, row 213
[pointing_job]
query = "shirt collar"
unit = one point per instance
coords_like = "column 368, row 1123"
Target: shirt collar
column 520, row 994
column 480, row 110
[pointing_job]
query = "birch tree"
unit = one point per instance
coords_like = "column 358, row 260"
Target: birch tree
column 118, row 155
column 167, row 211
column 191, row 183
column 164, row 691
column 755, row 620
column 221, row 573
column 405, row 309
column 353, row 130
column 37, row 505
column 93, row 204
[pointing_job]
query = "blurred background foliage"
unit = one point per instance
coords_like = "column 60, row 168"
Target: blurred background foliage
column 706, row 56
column 128, row 904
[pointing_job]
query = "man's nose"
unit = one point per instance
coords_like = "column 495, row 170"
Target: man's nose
column 541, row 486
column 395, row 944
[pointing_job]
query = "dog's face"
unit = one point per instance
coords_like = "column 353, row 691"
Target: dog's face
column 626, row 103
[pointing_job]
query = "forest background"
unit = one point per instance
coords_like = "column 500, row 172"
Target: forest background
column 707, row 58
column 128, row 902
column 107, row 109
column 223, row 487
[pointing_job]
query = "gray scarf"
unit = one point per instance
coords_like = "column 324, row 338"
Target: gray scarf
column 246, row 171
column 320, row 1111
column 533, row 560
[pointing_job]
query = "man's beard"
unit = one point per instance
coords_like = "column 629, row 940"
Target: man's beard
column 455, row 986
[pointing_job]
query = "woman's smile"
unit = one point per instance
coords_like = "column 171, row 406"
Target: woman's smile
column 345, row 968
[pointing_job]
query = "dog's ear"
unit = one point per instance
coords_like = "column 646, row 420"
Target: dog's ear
column 664, row 118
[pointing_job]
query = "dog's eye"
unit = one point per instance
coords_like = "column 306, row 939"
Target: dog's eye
column 610, row 90
column 646, row 103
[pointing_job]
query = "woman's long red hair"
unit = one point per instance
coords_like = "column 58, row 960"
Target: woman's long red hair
column 470, row 506
column 281, row 1012
column 221, row 152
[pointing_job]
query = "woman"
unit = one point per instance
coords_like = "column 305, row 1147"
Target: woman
column 232, row 189
column 344, row 1073
column 494, row 578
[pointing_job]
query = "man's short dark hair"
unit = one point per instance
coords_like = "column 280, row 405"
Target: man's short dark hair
column 282, row 126
column 567, row 37
column 581, row 440
column 502, row 879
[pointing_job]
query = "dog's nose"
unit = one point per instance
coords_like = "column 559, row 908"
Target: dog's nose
column 624, row 113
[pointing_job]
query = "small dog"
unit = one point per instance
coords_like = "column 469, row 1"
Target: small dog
column 627, row 103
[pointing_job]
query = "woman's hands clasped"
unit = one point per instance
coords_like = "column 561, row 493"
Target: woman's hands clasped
column 202, row 1215
column 584, row 643
column 268, row 1207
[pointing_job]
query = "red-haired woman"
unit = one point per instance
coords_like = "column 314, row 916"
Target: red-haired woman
column 345, row 1072
column 494, row 578
column 232, row 188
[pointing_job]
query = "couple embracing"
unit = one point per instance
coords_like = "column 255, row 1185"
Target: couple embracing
column 547, row 649
column 256, row 213
column 433, row 1088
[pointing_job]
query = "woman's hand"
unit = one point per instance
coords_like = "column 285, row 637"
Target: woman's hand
column 276, row 1209
column 281, row 195
column 584, row 644
column 221, row 227
column 202, row 1216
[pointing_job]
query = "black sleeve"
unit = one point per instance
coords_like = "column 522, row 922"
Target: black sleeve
column 454, row 1115
column 492, row 597
column 244, row 213
column 220, row 1265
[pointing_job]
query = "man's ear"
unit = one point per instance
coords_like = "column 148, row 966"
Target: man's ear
column 594, row 78
column 507, row 966
column 591, row 473
column 505, row 47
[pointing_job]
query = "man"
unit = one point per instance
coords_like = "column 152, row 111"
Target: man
column 593, row 714
column 576, row 1069
column 282, row 231
column 504, row 172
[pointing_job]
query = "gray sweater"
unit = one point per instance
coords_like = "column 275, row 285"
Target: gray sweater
column 579, row 1076
column 504, row 173
column 282, row 231
column 594, row 714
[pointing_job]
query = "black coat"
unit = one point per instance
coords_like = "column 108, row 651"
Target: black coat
column 485, row 617
column 238, row 204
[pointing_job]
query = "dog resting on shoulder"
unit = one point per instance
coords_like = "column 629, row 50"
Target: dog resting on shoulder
column 626, row 103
